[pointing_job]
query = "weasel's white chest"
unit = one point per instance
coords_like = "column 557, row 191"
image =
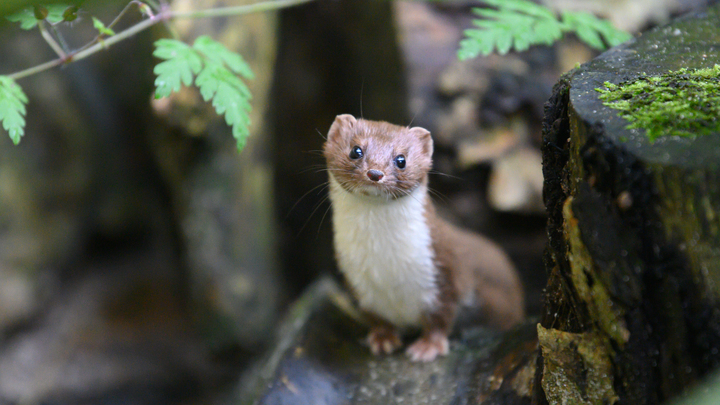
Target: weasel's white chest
column 384, row 249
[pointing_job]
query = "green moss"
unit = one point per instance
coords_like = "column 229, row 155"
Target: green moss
column 682, row 103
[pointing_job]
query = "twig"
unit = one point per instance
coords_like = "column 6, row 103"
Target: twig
column 60, row 38
column 51, row 41
column 112, row 24
column 237, row 10
column 164, row 15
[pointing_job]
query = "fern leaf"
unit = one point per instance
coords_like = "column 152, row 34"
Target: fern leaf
column 230, row 97
column 216, row 52
column 218, row 72
column 519, row 24
column 585, row 21
column 12, row 108
column 525, row 7
column 181, row 64
column 547, row 32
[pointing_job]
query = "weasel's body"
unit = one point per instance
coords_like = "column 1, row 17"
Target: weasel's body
column 406, row 267
column 384, row 249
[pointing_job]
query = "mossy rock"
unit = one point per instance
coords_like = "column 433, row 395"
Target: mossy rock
column 683, row 103
column 634, row 224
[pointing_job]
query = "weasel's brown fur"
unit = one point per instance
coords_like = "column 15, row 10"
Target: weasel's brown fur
column 468, row 270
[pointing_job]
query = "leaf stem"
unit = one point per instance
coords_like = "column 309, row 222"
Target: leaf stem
column 60, row 38
column 164, row 15
column 51, row 41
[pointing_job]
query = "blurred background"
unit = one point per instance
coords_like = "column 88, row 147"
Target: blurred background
column 144, row 261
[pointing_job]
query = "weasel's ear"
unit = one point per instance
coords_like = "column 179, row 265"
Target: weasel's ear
column 342, row 124
column 423, row 135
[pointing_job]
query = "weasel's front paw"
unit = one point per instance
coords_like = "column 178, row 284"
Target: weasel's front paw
column 428, row 347
column 383, row 339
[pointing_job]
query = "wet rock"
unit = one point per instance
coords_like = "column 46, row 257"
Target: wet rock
column 320, row 359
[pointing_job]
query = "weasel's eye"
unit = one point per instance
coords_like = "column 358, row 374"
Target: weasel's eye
column 356, row 153
column 400, row 161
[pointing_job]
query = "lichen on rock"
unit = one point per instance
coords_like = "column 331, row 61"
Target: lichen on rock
column 684, row 103
column 578, row 369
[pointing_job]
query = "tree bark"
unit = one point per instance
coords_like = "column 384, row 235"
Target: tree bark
column 631, row 313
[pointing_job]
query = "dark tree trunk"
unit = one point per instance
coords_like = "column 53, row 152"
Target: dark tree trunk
column 631, row 313
column 334, row 57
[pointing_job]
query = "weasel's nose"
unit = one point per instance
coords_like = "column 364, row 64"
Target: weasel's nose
column 375, row 175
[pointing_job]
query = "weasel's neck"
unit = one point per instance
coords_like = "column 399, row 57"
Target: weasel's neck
column 384, row 248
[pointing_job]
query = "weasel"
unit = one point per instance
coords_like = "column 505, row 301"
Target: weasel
column 406, row 267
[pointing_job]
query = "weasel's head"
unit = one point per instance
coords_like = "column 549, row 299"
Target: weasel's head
column 376, row 158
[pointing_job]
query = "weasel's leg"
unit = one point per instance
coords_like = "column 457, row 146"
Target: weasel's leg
column 430, row 345
column 434, row 339
column 383, row 338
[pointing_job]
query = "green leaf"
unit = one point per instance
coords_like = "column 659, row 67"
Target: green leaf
column 55, row 12
column 181, row 63
column 28, row 20
column 218, row 73
column 590, row 29
column 230, row 96
column 102, row 29
column 519, row 24
column 217, row 52
column 526, row 7
column 547, row 32
column 12, row 108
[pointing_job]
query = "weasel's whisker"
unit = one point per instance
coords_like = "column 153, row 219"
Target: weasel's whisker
column 321, row 134
column 312, row 213
column 311, row 167
column 445, row 174
column 316, row 152
column 439, row 195
column 323, row 185
column 323, row 219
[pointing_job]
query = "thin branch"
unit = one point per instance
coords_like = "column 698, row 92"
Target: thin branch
column 163, row 16
column 60, row 38
column 154, row 4
column 51, row 41
column 141, row 26
column 112, row 24
column 37, row 69
column 238, row 10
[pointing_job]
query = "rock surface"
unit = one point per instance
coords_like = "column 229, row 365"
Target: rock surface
column 320, row 359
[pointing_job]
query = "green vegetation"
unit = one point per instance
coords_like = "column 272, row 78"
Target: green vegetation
column 216, row 71
column 12, row 108
column 518, row 24
column 30, row 17
column 219, row 73
column 682, row 103
column 216, row 68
